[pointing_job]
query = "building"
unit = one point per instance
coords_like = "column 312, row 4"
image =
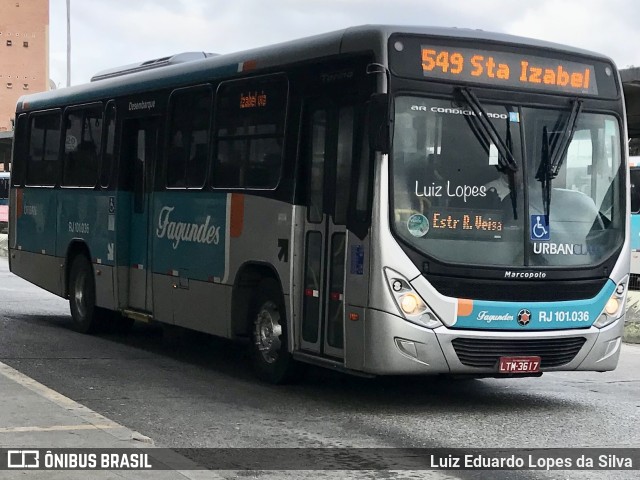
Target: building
column 24, row 53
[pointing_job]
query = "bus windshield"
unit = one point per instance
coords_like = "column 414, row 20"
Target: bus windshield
column 456, row 198
column 4, row 187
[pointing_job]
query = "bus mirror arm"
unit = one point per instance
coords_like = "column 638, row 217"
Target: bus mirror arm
column 378, row 122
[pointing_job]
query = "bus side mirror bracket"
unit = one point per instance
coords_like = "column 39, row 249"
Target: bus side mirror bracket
column 378, row 122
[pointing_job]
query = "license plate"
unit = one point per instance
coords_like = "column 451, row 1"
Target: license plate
column 519, row 364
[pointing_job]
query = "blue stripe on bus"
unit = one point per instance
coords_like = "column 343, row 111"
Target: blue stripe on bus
column 635, row 232
column 185, row 235
column 526, row 316
column 189, row 232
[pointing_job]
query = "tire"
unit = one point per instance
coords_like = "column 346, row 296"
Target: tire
column 272, row 360
column 82, row 295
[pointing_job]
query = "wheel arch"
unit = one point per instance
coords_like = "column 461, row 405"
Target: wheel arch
column 75, row 247
column 249, row 276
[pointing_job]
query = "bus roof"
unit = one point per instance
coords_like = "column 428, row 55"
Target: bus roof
column 353, row 39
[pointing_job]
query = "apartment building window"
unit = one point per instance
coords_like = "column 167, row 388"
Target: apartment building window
column 25, row 44
column 9, row 43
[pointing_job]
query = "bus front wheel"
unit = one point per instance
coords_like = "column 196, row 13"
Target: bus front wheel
column 82, row 295
column 271, row 357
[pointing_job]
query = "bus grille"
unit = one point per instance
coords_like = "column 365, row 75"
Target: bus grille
column 634, row 282
column 485, row 353
column 516, row 291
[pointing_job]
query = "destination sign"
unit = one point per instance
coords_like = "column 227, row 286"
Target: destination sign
column 461, row 224
column 253, row 100
column 507, row 69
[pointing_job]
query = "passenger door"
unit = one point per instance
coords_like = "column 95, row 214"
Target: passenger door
column 328, row 153
column 140, row 147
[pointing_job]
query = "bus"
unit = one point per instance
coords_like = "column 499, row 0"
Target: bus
column 4, row 201
column 377, row 200
column 634, row 180
column 4, row 188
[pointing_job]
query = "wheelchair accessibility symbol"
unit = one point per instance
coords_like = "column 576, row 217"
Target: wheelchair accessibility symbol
column 540, row 228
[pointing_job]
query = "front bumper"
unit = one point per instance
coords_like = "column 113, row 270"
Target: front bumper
column 394, row 346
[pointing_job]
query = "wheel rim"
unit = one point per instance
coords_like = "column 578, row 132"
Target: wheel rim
column 79, row 294
column 268, row 331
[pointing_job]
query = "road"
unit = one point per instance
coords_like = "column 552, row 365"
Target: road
column 184, row 389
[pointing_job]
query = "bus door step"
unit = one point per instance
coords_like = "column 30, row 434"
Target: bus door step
column 328, row 363
column 137, row 315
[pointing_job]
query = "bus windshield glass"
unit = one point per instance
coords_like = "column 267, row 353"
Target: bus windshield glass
column 457, row 199
column 4, row 187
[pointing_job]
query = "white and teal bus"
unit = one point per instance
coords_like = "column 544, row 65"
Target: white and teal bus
column 634, row 194
column 4, row 188
column 378, row 200
column 4, row 200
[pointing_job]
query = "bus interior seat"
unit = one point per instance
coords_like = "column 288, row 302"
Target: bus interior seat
column 87, row 161
column 175, row 167
column 264, row 174
column 198, row 166
column 578, row 215
column 226, row 174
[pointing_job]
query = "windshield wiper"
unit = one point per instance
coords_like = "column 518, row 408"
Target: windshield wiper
column 486, row 131
column 505, row 156
column 551, row 161
column 562, row 145
column 543, row 175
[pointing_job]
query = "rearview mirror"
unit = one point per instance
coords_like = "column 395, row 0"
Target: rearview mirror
column 378, row 122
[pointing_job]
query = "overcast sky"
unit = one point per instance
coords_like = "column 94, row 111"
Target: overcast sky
column 109, row 33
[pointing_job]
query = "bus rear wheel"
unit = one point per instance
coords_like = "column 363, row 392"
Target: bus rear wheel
column 82, row 295
column 271, row 357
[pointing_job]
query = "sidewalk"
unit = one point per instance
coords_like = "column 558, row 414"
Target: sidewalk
column 632, row 327
column 34, row 416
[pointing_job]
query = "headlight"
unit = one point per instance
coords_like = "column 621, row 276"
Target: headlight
column 410, row 304
column 614, row 306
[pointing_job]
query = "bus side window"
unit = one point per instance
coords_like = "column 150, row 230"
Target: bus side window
column 359, row 213
column 44, row 149
column 250, row 118
column 83, row 137
column 189, row 134
column 139, row 170
column 344, row 160
column 20, row 148
column 635, row 190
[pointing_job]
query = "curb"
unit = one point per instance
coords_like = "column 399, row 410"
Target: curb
column 632, row 332
column 632, row 325
column 96, row 421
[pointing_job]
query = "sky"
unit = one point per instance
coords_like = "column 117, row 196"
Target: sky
column 110, row 33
